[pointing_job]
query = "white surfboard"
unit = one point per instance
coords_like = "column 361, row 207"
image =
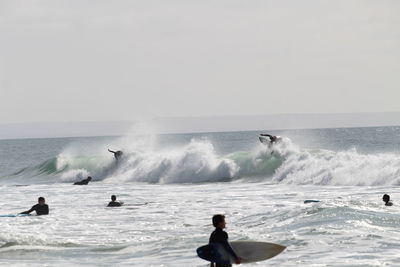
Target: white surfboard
column 267, row 141
column 252, row 251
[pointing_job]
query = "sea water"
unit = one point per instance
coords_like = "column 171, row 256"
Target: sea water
column 172, row 185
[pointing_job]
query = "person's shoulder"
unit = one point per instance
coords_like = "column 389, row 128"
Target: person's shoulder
column 114, row 204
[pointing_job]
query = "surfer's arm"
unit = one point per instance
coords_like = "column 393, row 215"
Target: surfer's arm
column 28, row 211
column 229, row 249
column 111, row 151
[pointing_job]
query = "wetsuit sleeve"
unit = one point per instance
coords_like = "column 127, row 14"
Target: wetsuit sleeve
column 228, row 247
column 29, row 211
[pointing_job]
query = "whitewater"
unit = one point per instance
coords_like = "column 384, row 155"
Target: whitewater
column 172, row 185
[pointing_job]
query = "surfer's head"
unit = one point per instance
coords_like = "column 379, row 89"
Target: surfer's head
column 386, row 198
column 89, row 178
column 41, row 200
column 113, row 198
column 218, row 220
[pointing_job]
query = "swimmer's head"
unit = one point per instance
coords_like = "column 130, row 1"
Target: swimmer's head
column 41, row 200
column 113, row 198
column 386, row 198
column 89, row 178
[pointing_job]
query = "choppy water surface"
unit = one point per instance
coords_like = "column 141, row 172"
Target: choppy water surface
column 172, row 185
column 349, row 227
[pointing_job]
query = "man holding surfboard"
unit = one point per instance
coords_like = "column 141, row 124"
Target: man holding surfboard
column 222, row 253
column 219, row 236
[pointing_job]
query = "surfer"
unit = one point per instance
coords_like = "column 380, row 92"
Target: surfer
column 221, row 237
column 84, row 181
column 117, row 154
column 41, row 208
column 386, row 199
column 272, row 138
column 114, row 202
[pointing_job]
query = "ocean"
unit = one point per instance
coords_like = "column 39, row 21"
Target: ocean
column 172, row 185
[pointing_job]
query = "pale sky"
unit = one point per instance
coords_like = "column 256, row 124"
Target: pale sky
column 79, row 60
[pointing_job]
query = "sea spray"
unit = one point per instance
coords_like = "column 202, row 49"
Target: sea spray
column 147, row 159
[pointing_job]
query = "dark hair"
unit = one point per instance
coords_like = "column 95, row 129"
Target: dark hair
column 41, row 199
column 89, row 178
column 113, row 197
column 216, row 219
column 386, row 198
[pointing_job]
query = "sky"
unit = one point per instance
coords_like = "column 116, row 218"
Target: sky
column 80, row 60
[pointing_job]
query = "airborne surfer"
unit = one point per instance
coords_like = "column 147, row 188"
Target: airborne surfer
column 41, row 208
column 117, row 154
column 272, row 138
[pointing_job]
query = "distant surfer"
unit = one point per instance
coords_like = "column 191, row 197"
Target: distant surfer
column 219, row 236
column 84, row 181
column 272, row 138
column 117, row 154
column 114, row 202
column 386, row 199
column 41, row 208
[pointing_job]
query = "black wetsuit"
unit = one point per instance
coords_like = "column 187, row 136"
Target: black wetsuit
column 118, row 154
column 83, row 182
column 40, row 209
column 114, row 204
column 221, row 237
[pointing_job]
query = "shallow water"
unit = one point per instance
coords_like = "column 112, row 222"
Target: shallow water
column 349, row 227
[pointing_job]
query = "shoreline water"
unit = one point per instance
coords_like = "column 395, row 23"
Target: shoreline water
column 349, row 227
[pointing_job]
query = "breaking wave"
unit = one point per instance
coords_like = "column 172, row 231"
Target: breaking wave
column 198, row 162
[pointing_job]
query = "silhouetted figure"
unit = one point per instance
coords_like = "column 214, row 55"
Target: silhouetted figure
column 41, row 208
column 219, row 236
column 117, row 154
column 272, row 138
column 114, row 202
column 84, row 182
column 386, row 199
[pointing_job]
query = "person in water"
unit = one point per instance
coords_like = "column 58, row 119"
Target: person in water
column 41, row 208
column 221, row 237
column 117, row 154
column 386, row 199
column 114, row 202
column 84, row 181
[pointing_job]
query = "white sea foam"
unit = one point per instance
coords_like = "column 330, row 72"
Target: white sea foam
column 197, row 162
column 348, row 227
